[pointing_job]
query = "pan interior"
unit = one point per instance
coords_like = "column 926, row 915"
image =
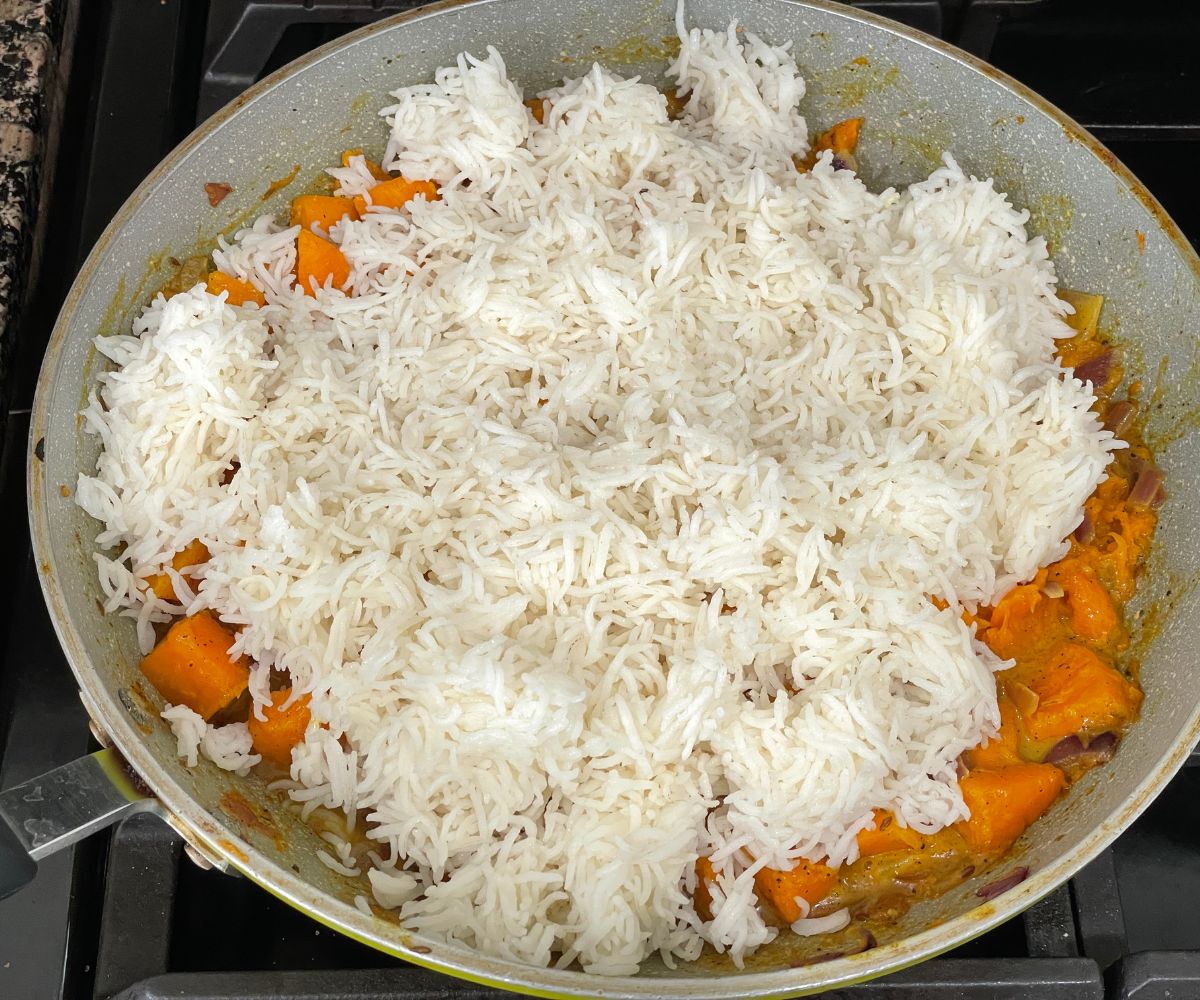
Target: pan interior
column 918, row 100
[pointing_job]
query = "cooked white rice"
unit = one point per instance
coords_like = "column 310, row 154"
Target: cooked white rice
column 601, row 520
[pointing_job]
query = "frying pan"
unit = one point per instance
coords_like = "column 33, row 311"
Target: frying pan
column 919, row 97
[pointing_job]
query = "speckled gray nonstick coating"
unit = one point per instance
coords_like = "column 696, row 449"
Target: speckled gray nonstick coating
column 919, row 97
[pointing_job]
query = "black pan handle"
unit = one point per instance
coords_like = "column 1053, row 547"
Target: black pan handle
column 60, row 807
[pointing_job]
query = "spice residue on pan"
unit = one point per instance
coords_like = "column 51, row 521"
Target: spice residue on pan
column 1167, row 420
column 280, row 184
column 852, row 83
column 134, row 702
column 635, row 49
column 1051, row 216
column 1154, row 616
column 237, row 807
column 920, row 152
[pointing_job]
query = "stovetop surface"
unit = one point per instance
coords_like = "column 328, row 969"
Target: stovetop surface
column 123, row 915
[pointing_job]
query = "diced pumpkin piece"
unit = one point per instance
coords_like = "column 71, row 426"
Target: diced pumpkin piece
column 1022, row 620
column 842, row 139
column 1004, row 802
column 1133, row 529
column 1005, row 748
column 537, row 108
column 676, row 102
column 192, row 666
column 192, row 554
column 373, row 168
column 1079, row 694
column 396, row 193
column 1094, row 617
column 1122, row 534
column 702, row 897
column 318, row 260
column 1086, row 317
column 808, row 880
column 238, row 292
column 888, row 835
column 968, row 618
column 324, row 210
column 283, row 728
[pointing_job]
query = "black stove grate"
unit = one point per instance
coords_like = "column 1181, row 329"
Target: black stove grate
column 1072, row 945
column 127, row 917
column 145, row 876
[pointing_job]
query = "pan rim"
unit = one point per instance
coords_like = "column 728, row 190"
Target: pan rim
column 457, row 960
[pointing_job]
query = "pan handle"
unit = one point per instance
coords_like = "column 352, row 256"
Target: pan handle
column 60, row 807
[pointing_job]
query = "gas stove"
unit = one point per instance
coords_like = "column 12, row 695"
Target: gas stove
column 126, row 915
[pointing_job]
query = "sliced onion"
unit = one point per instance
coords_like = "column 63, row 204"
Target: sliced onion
column 1025, row 698
column 1120, row 417
column 836, row 921
column 1065, row 749
column 1145, row 490
column 1086, row 530
column 1054, row 590
column 1095, row 370
column 1003, row 884
column 1102, row 747
column 1099, row 749
column 866, row 941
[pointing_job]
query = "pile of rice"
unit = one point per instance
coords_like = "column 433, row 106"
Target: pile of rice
column 601, row 520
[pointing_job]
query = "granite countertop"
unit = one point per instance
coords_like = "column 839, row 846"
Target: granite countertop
column 30, row 91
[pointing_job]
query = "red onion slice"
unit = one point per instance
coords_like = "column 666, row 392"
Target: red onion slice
column 1102, row 747
column 1099, row 749
column 1095, row 370
column 866, row 941
column 1120, row 417
column 1145, row 490
column 1065, row 749
column 1086, row 530
column 1003, row 884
